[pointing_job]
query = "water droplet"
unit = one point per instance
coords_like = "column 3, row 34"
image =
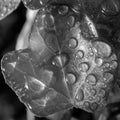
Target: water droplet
column 98, row 99
column 102, row 48
column 63, row 10
column 71, row 21
column 80, row 95
column 83, row 67
column 71, row 78
column 102, row 92
column 79, row 54
column 49, row 20
column 93, row 106
column 86, row 105
column 113, row 65
column 99, row 61
column 60, row 60
column 108, row 77
column 91, row 79
column 93, row 92
column 73, row 43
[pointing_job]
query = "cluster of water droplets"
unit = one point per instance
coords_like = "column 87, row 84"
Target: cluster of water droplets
column 63, row 65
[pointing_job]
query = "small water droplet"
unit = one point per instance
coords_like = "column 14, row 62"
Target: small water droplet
column 91, row 79
column 102, row 92
column 60, row 60
column 80, row 95
column 98, row 99
column 93, row 106
column 99, row 61
column 63, row 10
column 73, row 43
column 93, row 92
column 79, row 54
column 29, row 106
column 108, row 77
column 71, row 78
column 49, row 20
column 83, row 67
column 86, row 105
column 71, row 21
column 113, row 65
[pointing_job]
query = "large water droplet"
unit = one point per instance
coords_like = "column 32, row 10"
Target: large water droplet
column 73, row 43
column 91, row 79
column 99, row 61
column 71, row 78
column 102, row 48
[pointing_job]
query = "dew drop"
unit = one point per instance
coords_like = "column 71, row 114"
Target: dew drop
column 49, row 20
column 108, row 77
column 91, row 79
column 102, row 92
column 86, row 105
column 83, row 67
column 99, row 61
column 71, row 78
column 79, row 54
column 60, row 60
column 98, row 99
column 63, row 10
column 93, row 92
column 93, row 106
column 73, row 43
column 71, row 21
column 80, row 95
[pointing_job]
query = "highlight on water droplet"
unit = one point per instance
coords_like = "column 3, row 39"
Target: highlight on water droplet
column 71, row 78
column 63, row 10
column 73, row 43
column 91, row 79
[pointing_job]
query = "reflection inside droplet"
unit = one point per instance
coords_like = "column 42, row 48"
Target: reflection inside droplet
column 79, row 54
column 63, row 10
column 71, row 21
column 80, row 95
column 73, row 43
column 83, row 67
column 35, row 84
column 71, row 78
column 91, row 79
column 60, row 60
